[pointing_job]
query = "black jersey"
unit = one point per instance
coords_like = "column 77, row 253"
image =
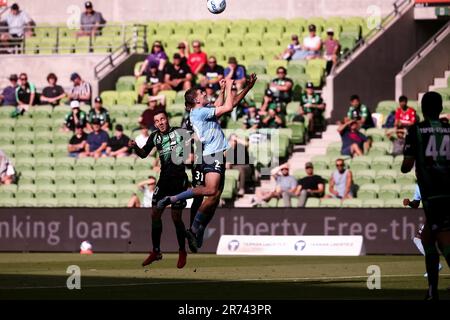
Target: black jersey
column 171, row 147
column 428, row 142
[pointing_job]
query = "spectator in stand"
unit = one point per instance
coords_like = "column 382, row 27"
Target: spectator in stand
column 211, row 94
column 148, row 188
column 81, row 90
column 153, row 84
column 142, row 138
column 398, row 141
column 236, row 72
column 99, row 113
column 18, row 22
column 360, row 113
column 354, row 143
column 331, row 50
column 311, row 107
column 53, row 93
column 7, row 171
column 252, row 120
column 182, row 51
column 118, row 144
column 26, row 96
column 77, row 144
column 285, row 188
column 178, row 77
column 341, row 182
column 404, row 116
column 197, row 59
column 237, row 157
column 292, row 50
column 312, row 44
column 281, row 86
column 274, row 119
column 97, row 141
column 8, row 96
column 311, row 186
column 213, row 74
column 75, row 117
column 157, row 55
column 91, row 21
column 155, row 105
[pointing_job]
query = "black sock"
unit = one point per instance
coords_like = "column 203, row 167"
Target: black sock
column 181, row 234
column 156, row 234
column 432, row 267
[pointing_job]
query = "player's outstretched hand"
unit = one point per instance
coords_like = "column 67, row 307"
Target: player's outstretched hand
column 252, row 80
column 132, row 144
column 223, row 84
column 406, row 202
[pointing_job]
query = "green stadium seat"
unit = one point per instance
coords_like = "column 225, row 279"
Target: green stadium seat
column 85, row 201
column 352, row 203
column 381, row 163
column 376, row 134
column 8, row 202
column 330, row 203
column 389, row 191
column 406, row 179
column 321, row 162
column 360, row 163
column 126, row 98
column 125, row 83
column 407, row 191
column 373, row 203
column 83, row 164
column 368, row 191
column 361, row 177
column 384, row 177
column 109, row 97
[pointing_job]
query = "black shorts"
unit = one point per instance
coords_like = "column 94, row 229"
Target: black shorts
column 170, row 186
column 437, row 214
column 214, row 163
column 198, row 178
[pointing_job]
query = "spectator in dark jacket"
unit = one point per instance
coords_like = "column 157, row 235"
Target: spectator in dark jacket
column 53, row 93
column 8, row 95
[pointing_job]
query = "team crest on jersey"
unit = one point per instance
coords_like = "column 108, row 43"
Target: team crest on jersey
column 158, row 139
column 172, row 135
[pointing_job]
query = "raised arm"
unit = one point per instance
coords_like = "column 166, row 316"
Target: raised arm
column 142, row 152
column 221, row 98
column 250, row 83
column 228, row 105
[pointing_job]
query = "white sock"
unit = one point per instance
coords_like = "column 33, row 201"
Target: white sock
column 418, row 243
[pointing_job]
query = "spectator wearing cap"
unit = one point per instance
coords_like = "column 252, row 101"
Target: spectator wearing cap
column 118, row 144
column 252, row 120
column 311, row 46
column 311, row 107
column 155, row 105
column 177, row 76
column 157, row 56
column 281, row 86
column 7, row 171
column 360, row 113
column 211, row 94
column 97, row 141
column 91, row 21
column 81, row 90
column 153, row 83
column 75, row 117
column 331, row 50
column 354, row 143
column 98, row 112
column 19, row 23
column 235, row 72
column 292, row 49
column 213, row 74
column 77, row 144
column 274, row 119
column 8, row 95
column 311, row 186
column 285, row 186
column 197, row 59
column 53, row 93
column 26, row 95
column 397, row 138
column 148, row 188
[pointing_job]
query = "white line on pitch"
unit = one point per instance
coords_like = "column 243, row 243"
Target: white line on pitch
column 135, row 284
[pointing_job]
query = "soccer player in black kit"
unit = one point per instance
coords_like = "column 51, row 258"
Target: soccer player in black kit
column 427, row 147
column 170, row 143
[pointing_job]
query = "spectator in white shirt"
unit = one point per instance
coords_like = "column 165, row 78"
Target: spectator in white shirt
column 17, row 21
column 311, row 47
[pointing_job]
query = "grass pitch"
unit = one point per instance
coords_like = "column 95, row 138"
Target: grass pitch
column 206, row 276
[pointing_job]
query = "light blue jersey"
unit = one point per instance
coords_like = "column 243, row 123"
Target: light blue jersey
column 208, row 130
column 417, row 196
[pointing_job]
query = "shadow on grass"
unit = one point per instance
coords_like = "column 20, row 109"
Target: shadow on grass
column 54, row 287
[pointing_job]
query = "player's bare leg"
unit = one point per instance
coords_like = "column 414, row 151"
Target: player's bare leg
column 431, row 261
column 181, row 236
column 155, row 254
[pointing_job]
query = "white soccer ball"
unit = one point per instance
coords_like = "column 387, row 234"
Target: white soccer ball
column 216, row 6
column 85, row 246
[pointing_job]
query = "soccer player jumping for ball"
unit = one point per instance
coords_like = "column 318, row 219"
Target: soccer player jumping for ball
column 204, row 120
column 428, row 147
column 172, row 180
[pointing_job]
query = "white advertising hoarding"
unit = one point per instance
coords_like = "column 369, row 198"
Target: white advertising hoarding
column 291, row 245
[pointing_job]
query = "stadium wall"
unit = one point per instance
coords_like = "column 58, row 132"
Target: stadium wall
column 371, row 71
column 145, row 10
column 385, row 231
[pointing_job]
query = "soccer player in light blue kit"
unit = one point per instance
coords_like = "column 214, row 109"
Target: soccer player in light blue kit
column 415, row 203
column 204, row 119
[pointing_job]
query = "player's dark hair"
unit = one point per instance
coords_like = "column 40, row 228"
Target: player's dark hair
column 189, row 98
column 403, row 99
column 354, row 97
column 161, row 112
column 431, row 105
